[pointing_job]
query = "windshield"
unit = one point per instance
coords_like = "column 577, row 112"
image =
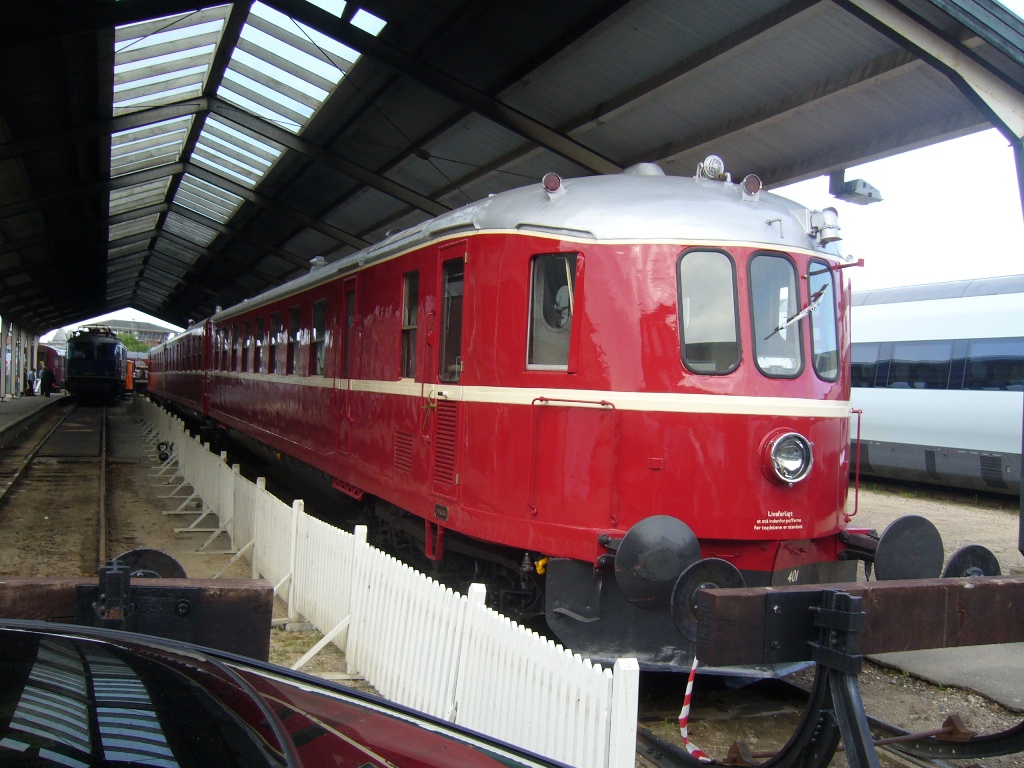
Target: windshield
column 775, row 306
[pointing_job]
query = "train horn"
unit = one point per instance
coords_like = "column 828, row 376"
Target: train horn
column 650, row 559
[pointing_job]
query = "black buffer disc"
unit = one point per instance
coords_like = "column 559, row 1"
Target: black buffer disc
column 650, row 558
column 711, row 573
column 910, row 548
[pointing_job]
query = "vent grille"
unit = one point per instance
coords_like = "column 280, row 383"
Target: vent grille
column 992, row 470
column 444, row 443
column 403, row 451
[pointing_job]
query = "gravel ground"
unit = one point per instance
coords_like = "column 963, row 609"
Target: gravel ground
column 761, row 720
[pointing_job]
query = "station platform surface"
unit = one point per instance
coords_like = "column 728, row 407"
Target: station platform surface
column 16, row 413
column 994, row 671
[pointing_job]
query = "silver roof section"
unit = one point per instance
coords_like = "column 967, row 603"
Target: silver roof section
column 956, row 289
column 624, row 207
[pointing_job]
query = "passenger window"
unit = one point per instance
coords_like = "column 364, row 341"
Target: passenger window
column 276, row 330
column 995, row 364
column 774, row 302
column 452, row 276
column 246, row 343
column 316, row 352
column 257, row 350
column 708, row 323
column 552, row 302
column 865, row 364
column 292, row 340
column 236, row 342
column 824, row 330
column 410, row 309
column 920, row 364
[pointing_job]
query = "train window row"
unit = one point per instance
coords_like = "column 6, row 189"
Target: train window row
column 975, row 364
column 709, row 318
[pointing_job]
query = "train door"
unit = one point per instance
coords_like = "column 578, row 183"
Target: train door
column 344, row 332
column 443, row 398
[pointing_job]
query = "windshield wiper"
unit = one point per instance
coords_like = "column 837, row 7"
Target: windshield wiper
column 813, row 305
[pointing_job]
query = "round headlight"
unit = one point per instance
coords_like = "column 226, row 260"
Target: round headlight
column 790, row 457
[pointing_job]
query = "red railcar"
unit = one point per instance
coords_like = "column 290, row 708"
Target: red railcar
column 611, row 387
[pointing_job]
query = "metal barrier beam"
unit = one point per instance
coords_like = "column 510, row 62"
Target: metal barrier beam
column 767, row 625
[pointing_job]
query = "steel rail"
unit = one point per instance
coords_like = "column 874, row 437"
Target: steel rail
column 27, row 461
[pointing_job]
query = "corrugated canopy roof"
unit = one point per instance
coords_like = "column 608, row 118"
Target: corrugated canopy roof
column 174, row 156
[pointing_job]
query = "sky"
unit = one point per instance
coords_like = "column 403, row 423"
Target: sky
column 951, row 211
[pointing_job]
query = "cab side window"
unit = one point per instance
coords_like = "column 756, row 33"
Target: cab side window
column 708, row 321
column 552, row 302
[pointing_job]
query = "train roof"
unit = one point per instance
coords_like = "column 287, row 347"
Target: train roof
column 956, row 289
column 641, row 204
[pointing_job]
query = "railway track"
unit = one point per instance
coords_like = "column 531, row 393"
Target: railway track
column 53, row 493
column 750, row 726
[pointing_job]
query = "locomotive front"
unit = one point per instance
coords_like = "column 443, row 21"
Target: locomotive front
column 742, row 432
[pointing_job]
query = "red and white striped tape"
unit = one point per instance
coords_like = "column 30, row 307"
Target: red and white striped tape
column 684, row 716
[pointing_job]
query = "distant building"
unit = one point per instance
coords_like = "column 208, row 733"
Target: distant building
column 147, row 332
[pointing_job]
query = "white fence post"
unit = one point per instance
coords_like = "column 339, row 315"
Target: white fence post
column 298, row 507
column 625, row 700
column 417, row 642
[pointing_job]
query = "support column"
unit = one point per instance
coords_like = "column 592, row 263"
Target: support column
column 15, row 359
column 1018, row 156
column 4, row 366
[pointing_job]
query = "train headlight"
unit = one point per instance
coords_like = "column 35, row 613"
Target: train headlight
column 788, row 457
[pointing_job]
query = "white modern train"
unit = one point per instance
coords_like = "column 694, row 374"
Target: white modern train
column 938, row 371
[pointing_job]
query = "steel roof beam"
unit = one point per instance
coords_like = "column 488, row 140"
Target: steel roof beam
column 117, row 124
column 813, row 97
column 265, row 202
column 120, row 182
column 291, row 141
column 448, row 86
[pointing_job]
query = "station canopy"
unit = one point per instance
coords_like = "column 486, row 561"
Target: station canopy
column 175, row 156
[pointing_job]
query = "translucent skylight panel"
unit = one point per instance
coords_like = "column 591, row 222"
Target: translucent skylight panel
column 259, row 110
column 258, row 146
column 133, row 227
column 284, row 103
column 169, row 36
column 189, row 230
column 222, row 163
column 139, row 196
column 220, row 197
column 209, row 139
column 124, row 250
column 286, row 78
column 321, row 65
column 166, row 62
column 337, row 7
column 193, row 73
column 367, row 22
column 152, row 129
column 162, row 97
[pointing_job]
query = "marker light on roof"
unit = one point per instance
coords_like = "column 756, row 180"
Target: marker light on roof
column 751, row 184
column 713, row 167
column 552, row 184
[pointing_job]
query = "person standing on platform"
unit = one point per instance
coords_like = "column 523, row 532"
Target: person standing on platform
column 46, row 379
column 30, row 382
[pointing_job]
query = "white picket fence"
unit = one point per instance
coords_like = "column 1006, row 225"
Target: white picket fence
column 418, row 643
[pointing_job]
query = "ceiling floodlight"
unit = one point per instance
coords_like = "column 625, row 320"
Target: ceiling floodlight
column 858, row 191
column 713, row 167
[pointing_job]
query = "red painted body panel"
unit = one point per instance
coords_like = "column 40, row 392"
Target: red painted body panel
column 540, row 475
